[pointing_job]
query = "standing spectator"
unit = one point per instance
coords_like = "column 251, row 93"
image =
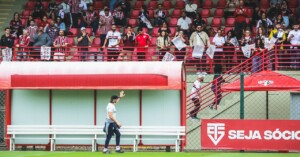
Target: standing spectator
column 60, row 43
column 256, row 16
column 113, row 37
column 240, row 22
column 102, row 12
column 83, row 41
column 32, row 30
column 160, row 16
column 38, row 10
column 67, row 13
column 74, row 4
column 163, row 43
column 23, row 42
column 196, row 96
column 144, row 21
column 105, row 24
column 257, row 60
column 184, row 24
column 230, row 43
column 128, row 41
column 216, row 85
column 273, row 11
column 16, row 25
column 60, row 24
column 191, row 9
column 246, row 39
column 294, row 39
column 44, row 23
column 126, row 8
column 7, row 40
column 230, row 8
column 198, row 21
column 142, row 42
column 264, row 22
column 180, row 54
column 52, row 31
column 279, row 20
column 52, row 9
column 286, row 13
column 40, row 39
column 28, row 21
column 119, row 16
column 219, row 42
column 200, row 38
column 165, row 28
column 90, row 18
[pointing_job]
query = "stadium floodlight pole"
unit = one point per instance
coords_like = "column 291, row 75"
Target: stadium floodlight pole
column 242, row 112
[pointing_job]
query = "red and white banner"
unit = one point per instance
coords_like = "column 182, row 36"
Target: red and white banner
column 250, row 134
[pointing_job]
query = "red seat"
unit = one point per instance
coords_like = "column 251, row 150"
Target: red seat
column 293, row 4
column 26, row 13
column 216, row 22
column 98, row 32
column 205, row 13
column 221, row 4
column 155, row 32
column 173, row 22
column 132, row 22
column 226, row 29
column 249, row 12
column 152, row 4
column 176, row 13
column 173, row 31
column 167, row 4
column 180, row 4
column 219, row 13
column 89, row 31
column 23, row 22
column 98, row 5
column 70, row 41
column 151, row 13
column 74, row 32
column 134, row 14
column 208, row 4
column 96, row 42
column 153, row 41
column 230, row 22
column 30, row 5
column 264, row 4
column 37, row 21
column 167, row 12
column 145, row 30
column 138, row 4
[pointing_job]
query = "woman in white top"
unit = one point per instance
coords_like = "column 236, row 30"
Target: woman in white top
column 163, row 43
column 219, row 42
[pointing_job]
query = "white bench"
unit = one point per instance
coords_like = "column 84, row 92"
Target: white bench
column 174, row 133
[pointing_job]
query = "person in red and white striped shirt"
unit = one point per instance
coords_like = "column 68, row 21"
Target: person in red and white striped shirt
column 32, row 30
column 23, row 42
column 60, row 43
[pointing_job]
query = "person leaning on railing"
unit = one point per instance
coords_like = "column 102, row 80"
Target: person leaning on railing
column 163, row 43
column 294, row 39
column 23, row 42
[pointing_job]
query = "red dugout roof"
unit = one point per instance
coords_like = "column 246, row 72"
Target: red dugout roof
column 91, row 75
column 265, row 81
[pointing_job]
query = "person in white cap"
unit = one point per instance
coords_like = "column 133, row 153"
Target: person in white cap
column 84, row 40
column 196, row 96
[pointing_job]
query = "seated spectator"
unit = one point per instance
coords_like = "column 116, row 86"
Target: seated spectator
column 126, row 8
column 44, row 23
column 180, row 54
column 163, row 44
column 40, row 39
column 90, row 19
column 273, row 11
column 84, row 40
column 7, row 40
column 60, row 24
column 294, row 39
column 279, row 34
column 230, row 8
column 240, row 22
column 128, row 41
column 279, row 20
column 52, row 31
column 142, row 41
column 264, row 22
column 119, row 16
column 160, row 16
column 16, row 25
column 191, row 9
column 60, row 43
column 198, row 21
column 219, row 42
column 38, row 11
column 102, row 12
column 286, row 13
column 144, row 21
column 164, row 27
column 113, row 38
column 184, row 24
column 32, row 30
column 52, row 9
column 23, row 42
column 28, row 21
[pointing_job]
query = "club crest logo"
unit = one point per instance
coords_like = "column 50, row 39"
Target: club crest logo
column 216, row 132
column 266, row 82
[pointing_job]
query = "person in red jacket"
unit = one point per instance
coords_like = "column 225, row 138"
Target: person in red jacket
column 142, row 41
column 23, row 42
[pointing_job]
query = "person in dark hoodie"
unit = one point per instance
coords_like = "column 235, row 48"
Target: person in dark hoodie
column 216, row 85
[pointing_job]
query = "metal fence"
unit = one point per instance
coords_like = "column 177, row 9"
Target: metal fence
column 2, row 117
column 280, row 105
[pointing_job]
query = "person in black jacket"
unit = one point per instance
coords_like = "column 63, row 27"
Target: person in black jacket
column 216, row 85
column 7, row 40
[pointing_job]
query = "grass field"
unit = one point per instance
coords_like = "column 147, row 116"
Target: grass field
column 141, row 154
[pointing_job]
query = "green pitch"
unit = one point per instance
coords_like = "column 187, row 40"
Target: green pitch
column 142, row 154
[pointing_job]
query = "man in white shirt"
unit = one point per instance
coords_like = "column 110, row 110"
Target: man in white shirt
column 219, row 42
column 184, row 24
column 113, row 37
column 294, row 39
column 196, row 96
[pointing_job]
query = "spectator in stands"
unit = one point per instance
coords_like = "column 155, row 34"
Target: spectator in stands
column 144, row 21
column 84, row 40
column 60, row 24
column 279, row 20
column 180, row 54
column 23, row 42
column 129, row 42
column 279, row 34
column 40, row 39
column 142, row 41
column 274, row 11
column 28, row 21
column 198, row 21
column 90, row 19
column 7, row 40
column 256, row 16
column 230, row 8
column 286, row 13
column 52, row 31
column 126, row 8
column 261, row 34
column 32, row 30
column 184, row 24
column 113, row 38
column 83, row 5
column 60, row 43
column 105, row 24
column 196, row 96
column 102, row 12
column 38, row 11
column 264, row 22
column 160, row 16
column 16, row 25
column 191, row 9
column 163, row 44
column 74, row 4
column 257, row 60
column 164, row 27
column 119, row 16
column 200, row 38
column 216, row 85
column 294, row 39
column 112, row 4
column 230, row 43
column 44, row 23
column 219, row 42
column 240, row 22
column 52, row 9
column 246, row 39
column 66, row 8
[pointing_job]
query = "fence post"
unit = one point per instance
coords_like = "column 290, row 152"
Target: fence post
column 242, row 96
